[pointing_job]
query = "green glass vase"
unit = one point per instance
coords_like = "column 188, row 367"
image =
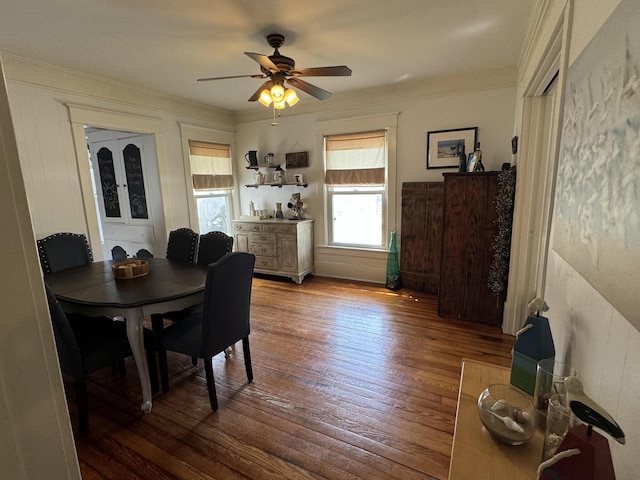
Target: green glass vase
column 393, row 266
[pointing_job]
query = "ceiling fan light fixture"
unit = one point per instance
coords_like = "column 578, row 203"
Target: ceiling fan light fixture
column 265, row 98
column 281, row 70
column 277, row 93
column 290, row 97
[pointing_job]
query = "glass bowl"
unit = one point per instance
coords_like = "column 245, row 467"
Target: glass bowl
column 507, row 414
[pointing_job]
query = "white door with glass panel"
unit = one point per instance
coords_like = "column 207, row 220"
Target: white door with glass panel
column 124, row 198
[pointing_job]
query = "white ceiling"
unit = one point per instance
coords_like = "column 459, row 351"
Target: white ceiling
column 165, row 45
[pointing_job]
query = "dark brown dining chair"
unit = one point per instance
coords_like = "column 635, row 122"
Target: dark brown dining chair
column 87, row 344
column 213, row 246
column 224, row 320
column 63, row 250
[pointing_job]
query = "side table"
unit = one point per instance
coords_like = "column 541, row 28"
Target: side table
column 474, row 453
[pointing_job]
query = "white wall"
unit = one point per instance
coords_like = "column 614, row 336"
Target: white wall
column 54, row 161
column 486, row 102
column 601, row 344
column 40, row 96
column 35, row 433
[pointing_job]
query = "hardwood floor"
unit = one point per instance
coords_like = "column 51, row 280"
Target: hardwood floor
column 351, row 380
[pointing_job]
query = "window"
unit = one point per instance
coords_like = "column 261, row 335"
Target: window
column 356, row 188
column 212, row 185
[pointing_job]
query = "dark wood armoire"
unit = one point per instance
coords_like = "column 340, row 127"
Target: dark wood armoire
column 421, row 239
column 471, row 225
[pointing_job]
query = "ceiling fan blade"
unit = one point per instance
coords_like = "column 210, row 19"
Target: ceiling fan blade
column 335, row 71
column 312, row 90
column 264, row 61
column 231, row 76
column 256, row 95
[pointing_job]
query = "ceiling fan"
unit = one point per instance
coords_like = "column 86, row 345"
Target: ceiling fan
column 280, row 70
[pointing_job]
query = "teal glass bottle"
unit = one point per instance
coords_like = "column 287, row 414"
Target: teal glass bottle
column 393, row 266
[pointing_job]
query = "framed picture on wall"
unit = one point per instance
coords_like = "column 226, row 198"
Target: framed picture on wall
column 297, row 159
column 444, row 146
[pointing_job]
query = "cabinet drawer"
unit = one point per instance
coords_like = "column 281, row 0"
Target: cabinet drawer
column 129, row 233
column 266, row 263
column 256, row 237
column 289, row 229
column 247, row 227
column 266, row 249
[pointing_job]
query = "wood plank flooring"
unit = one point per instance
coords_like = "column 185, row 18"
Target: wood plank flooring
column 351, row 381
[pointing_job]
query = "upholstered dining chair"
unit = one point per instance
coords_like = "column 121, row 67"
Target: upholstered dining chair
column 144, row 253
column 182, row 245
column 224, row 320
column 89, row 344
column 118, row 253
column 63, row 250
column 213, row 246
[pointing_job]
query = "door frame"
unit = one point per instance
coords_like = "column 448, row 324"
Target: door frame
column 536, row 177
column 82, row 116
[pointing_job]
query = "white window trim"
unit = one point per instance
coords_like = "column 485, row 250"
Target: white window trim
column 192, row 132
column 388, row 122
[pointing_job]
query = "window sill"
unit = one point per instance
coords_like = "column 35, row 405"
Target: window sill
column 351, row 251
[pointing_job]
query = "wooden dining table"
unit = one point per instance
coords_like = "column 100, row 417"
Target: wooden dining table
column 94, row 291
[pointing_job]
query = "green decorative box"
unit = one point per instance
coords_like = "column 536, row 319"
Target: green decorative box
column 533, row 343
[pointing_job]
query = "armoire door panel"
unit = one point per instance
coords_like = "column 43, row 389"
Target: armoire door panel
column 470, row 224
column 421, row 235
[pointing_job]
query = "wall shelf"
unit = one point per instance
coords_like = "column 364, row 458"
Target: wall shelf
column 279, row 185
column 258, row 167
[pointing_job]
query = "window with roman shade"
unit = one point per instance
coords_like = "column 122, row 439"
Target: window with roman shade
column 210, row 166
column 355, row 159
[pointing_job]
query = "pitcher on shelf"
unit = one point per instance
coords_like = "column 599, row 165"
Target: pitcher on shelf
column 252, row 158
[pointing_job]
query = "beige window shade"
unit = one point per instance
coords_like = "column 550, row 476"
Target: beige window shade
column 356, row 158
column 210, row 166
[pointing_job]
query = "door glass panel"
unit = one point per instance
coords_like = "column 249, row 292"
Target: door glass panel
column 135, row 181
column 108, row 183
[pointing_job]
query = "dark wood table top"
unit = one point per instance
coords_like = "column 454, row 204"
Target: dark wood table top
column 95, row 285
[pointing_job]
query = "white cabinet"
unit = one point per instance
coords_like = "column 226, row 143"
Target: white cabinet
column 122, row 181
column 281, row 247
column 127, row 190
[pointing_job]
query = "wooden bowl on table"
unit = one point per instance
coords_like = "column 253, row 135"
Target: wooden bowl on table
column 130, row 269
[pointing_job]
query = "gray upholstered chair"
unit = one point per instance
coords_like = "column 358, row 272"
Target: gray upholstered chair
column 144, row 253
column 224, row 320
column 89, row 344
column 118, row 253
column 63, row 250
column 182, row 245
column 213, row 246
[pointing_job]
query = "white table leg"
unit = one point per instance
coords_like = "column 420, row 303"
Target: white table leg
column 134, row 320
